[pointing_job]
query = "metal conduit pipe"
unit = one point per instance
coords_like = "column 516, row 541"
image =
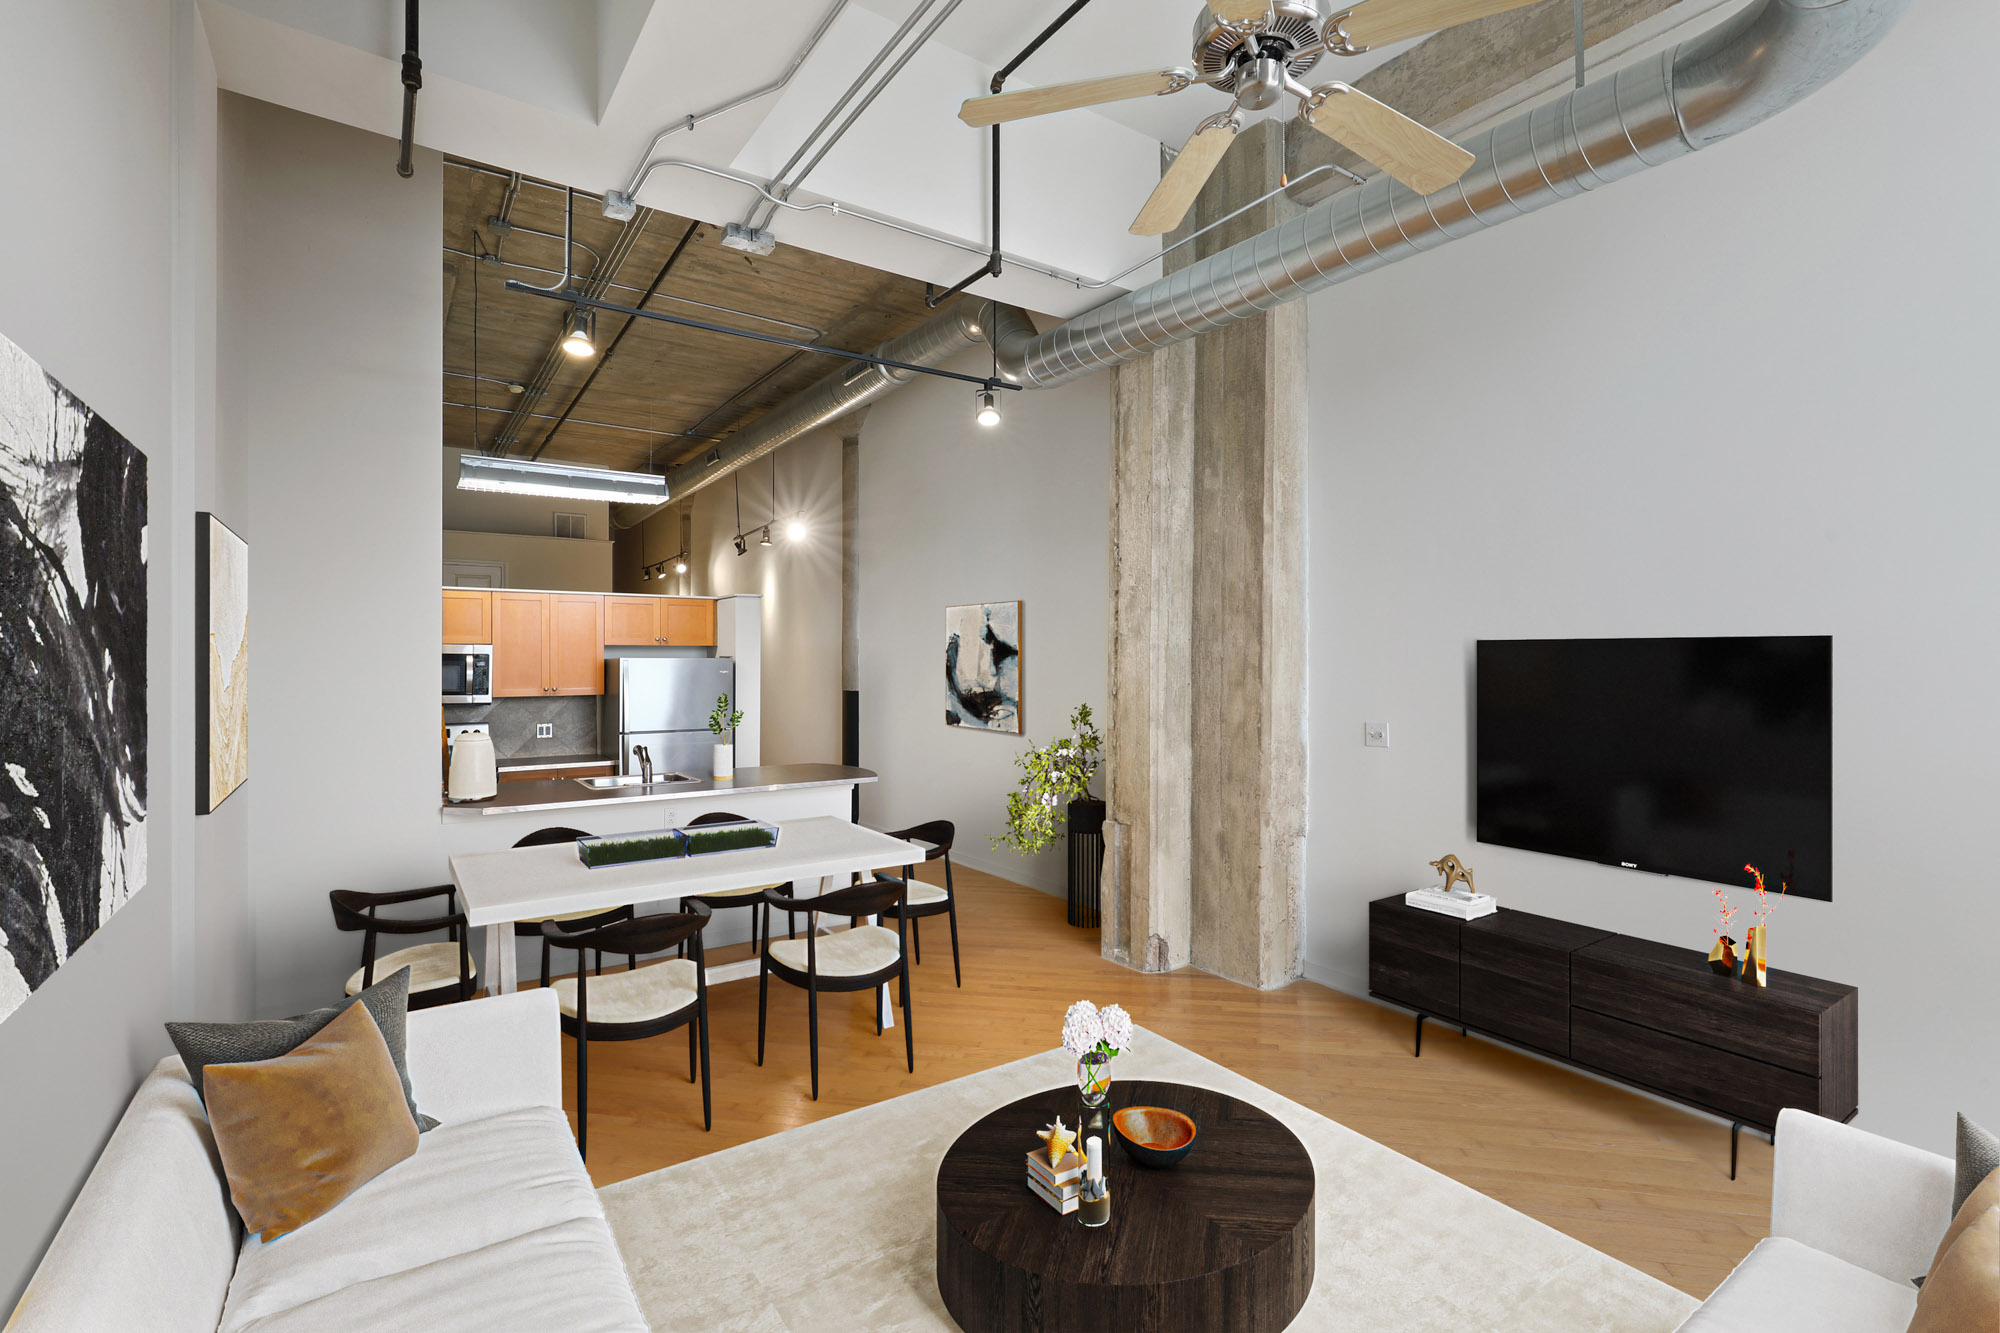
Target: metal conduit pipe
column 936, row 340
column 1727, row 80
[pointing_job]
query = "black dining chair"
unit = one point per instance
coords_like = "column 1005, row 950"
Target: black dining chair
column 636, row 1004
column 440, row 972
column 752, row 897
column 856, row 959
column 931, row 899
column 532, row 930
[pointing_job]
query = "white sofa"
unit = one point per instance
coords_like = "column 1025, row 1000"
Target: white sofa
column 493, row 1224
column 1854, row 1217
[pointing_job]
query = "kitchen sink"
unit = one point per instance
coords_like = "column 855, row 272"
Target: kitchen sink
column 633, row 780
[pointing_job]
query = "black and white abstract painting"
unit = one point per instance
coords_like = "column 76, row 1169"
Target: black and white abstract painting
column 982, row 666
column 72, row 674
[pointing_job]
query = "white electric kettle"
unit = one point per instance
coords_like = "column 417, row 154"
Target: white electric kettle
column 474, row 773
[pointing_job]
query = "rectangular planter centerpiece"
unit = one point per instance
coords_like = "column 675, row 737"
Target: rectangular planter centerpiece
column 706, row 838
column 617, row 849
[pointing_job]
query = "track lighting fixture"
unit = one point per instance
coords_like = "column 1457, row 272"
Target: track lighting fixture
column 989, row 414
column 796, row 530
column 742, row 544
column 579, row 341
column 681, row 565
column 765, row 540
column 646, row 574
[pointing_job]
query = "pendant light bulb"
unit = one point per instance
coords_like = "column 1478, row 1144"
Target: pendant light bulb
column 578, row 341
column 765, row 539
column 989, row 415
column 680, row 566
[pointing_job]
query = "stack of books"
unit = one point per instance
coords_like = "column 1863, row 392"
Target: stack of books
column 1058, row 1185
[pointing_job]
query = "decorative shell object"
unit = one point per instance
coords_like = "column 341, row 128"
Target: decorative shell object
column 1058, row 1139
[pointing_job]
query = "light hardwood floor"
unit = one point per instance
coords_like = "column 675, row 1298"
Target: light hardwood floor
column 1644, row 1182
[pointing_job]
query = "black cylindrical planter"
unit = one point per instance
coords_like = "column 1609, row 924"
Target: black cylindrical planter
column 1085, row 829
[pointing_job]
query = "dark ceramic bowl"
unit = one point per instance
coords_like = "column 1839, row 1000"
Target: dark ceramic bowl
column 1153, row 1135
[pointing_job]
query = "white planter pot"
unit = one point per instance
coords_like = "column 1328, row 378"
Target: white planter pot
column 725, row 761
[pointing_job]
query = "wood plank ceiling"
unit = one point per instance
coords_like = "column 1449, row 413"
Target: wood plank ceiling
column 664, row 393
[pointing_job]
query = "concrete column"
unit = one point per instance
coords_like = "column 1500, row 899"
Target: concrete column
column 1207, row 786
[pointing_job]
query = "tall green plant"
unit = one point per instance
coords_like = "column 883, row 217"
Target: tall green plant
column 1052, row 776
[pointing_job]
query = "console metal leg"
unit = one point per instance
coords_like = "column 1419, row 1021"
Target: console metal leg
column 1420, row 1034
column 1734, row 1128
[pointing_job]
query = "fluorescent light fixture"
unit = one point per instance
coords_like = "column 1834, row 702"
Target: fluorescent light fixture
column 989, row 415
column 564, row 481
column 578, row 341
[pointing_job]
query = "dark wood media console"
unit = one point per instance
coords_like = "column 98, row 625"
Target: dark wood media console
column 1651, row 1015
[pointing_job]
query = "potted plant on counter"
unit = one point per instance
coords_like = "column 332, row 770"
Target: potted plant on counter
column 1056, row 778
column 723, row 721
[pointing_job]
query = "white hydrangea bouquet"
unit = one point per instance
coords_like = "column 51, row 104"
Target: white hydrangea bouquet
column 1095, row 1037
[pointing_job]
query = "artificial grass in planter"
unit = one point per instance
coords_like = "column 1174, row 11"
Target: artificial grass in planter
column 730, row 838
column 660, row 846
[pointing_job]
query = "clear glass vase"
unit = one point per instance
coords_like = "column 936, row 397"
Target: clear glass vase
column 1093, row 1085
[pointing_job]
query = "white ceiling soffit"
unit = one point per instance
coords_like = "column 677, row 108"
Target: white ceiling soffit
column 576, row 93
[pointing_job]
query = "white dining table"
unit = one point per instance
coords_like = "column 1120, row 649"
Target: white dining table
column 815, row 855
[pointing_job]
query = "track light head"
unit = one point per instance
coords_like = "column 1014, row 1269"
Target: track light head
column 796, row 530
column 646, row 574
column 578, row 341
column 681, row 566
column 765, row 539
column 989, row 413
column 742, row 545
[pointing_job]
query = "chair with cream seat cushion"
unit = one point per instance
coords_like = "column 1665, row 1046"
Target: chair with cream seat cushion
column 931, row 899
column 635, row 1004
column 532, row 930
column 861, row 958
column 752, row 897
column 440, row 972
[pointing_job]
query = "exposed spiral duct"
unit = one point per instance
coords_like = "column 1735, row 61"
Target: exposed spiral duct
column 1736, row 75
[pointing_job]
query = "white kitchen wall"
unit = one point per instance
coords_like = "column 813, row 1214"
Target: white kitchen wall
column 953, row 513
column 332, row 319
column 115, row 297
column 1746, row 393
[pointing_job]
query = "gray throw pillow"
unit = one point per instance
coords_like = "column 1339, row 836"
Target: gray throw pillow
column 1978, row 1154
column 387, row 1001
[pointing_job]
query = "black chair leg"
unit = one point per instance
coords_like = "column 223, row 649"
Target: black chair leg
column 707, row 1116
column 691, row 1046
column 582, row 1090
column 881, row 998
column 917, row 938
column 951, row 914
column 812, row 1035
column 909, row 1037
column 763, row 998
column 545, row 964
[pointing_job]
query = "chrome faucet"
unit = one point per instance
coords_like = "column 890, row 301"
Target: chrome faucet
column 645, row 764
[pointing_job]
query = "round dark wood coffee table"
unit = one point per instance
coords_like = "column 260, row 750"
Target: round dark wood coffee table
column 1223, row 1241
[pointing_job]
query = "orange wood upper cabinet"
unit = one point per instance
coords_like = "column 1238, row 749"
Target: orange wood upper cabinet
column 520, row 644
column 576, row 643
column 468, row 615
column 688, row 621
column 632, row 621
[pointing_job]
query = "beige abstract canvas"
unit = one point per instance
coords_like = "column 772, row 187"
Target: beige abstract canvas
column 222, row 583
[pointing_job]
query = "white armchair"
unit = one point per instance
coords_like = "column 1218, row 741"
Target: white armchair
column 1854, row 1217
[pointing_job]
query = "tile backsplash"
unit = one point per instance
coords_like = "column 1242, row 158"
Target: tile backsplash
column 573, row 719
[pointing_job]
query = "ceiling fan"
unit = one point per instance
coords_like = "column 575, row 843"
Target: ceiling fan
column 1257, row 51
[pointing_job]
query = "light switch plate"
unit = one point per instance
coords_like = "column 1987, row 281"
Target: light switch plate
column 545, row 731
column 1375, row 735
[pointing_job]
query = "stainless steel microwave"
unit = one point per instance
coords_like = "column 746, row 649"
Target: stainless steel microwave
column 468, row 673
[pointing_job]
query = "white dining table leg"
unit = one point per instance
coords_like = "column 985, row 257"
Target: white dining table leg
column 503, row 963
column 489, row 969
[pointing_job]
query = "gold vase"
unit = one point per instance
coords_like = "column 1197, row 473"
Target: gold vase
column 1753, row 956
column 1722, row 958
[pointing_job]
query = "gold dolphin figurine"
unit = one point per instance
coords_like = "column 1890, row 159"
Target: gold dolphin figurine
column 1453, row 871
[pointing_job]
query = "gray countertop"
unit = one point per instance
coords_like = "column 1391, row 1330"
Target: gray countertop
column 518, row 797
column 526, row 761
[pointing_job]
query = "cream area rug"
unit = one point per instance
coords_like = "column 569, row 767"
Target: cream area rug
column 831, row 1226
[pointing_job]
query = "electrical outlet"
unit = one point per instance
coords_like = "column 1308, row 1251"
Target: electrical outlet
column 1375, row 735
column 545, row 731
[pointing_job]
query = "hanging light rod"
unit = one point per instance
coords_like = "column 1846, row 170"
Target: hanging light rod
column 565, row 481
column 581, row 301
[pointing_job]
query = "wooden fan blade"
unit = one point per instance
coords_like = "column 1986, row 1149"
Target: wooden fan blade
column 1239, row 11
column 1420, row 158
column 1379, row 22
column 1176, row 192
column 1027, row 102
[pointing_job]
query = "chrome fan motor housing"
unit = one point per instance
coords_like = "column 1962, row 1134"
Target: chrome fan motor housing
column 1221, row 52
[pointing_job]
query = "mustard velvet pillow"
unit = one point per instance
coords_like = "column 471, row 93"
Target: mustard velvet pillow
column 1962, row 1292
column 301, row 1131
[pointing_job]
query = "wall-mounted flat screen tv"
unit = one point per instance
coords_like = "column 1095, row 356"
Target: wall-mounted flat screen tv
column 1685, row 757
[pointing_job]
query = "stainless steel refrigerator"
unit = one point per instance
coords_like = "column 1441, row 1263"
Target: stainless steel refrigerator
column 663, row 703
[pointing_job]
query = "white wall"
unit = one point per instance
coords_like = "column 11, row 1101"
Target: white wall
column 332, row 325
column 950, row 514
column 566, row 564
column 108, row 297
column 1749, row 392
